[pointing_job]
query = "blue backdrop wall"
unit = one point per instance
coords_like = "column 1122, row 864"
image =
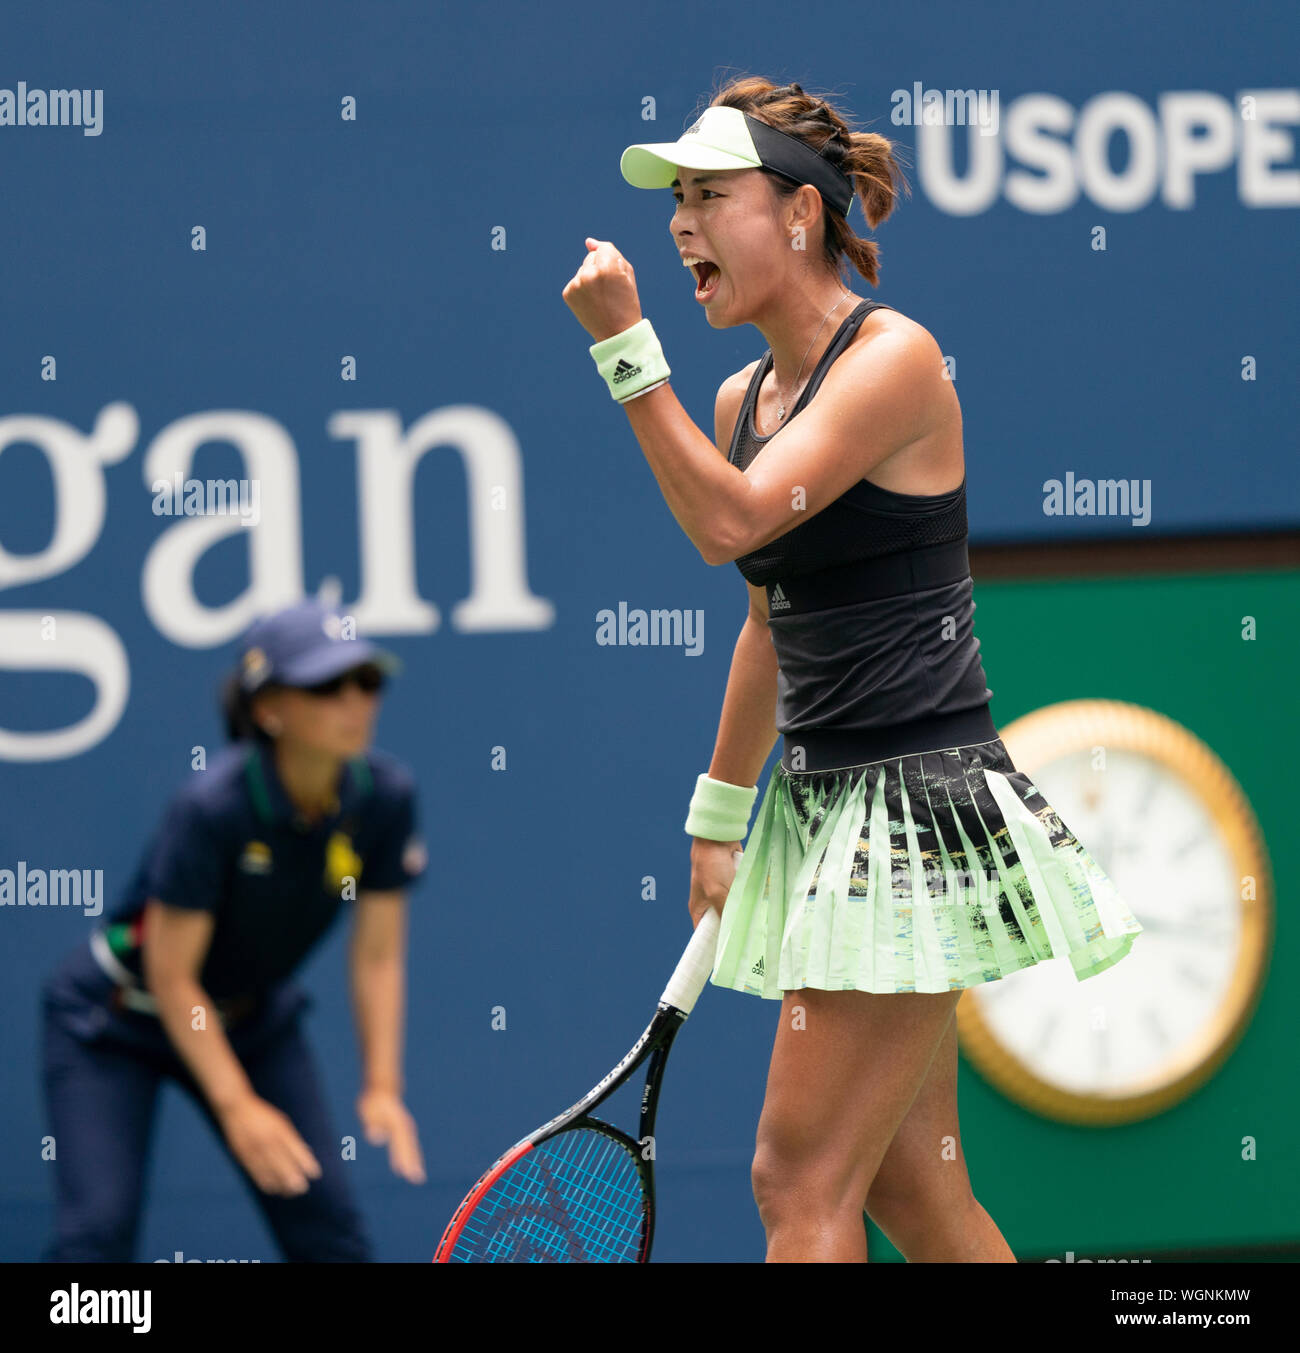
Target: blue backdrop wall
column 1110, row 266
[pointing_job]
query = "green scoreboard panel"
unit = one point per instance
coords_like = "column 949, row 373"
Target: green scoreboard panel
column 1206, row 1168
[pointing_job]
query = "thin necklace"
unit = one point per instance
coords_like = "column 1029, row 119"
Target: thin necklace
column 780, row 417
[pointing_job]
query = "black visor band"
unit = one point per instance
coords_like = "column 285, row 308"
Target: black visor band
column 798, row 161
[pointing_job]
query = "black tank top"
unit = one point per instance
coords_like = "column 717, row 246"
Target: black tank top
column 870, row 600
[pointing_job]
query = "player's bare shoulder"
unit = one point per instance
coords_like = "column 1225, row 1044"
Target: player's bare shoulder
column 889, row 339
column 731, row 395
column 892, row 327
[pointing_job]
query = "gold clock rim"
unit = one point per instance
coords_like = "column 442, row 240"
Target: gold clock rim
column 1056, row 730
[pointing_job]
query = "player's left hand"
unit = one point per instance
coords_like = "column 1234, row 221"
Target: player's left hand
column 602, row 293
column 384, row 1118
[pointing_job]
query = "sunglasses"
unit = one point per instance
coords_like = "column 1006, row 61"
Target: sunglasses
column 369, row 678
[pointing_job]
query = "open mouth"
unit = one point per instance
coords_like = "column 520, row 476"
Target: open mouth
column 707, row 276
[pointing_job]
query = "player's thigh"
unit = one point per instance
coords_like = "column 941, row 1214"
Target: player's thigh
column 846, row 1066
column 924, row 1165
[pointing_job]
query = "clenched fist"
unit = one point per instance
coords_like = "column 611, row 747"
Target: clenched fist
column 602, row 293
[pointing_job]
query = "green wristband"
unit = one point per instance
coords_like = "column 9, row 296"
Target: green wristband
column 720, row 811
column 631, row 361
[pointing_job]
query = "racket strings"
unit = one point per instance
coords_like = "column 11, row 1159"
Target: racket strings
column 576, row 1198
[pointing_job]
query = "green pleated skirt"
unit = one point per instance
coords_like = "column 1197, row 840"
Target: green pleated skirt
column 924, row 872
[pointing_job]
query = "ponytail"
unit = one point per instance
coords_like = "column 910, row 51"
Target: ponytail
column 237, row 711
column 871, row 162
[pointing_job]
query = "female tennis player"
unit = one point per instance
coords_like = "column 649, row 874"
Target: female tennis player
column 190, row 979
column 898, row 855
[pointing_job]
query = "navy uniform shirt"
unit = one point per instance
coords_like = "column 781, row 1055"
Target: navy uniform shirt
column 232, row 843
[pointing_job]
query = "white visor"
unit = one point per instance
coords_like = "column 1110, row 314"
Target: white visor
column 718, row 139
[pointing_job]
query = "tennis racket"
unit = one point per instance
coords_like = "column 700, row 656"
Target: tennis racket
column 579, row 1190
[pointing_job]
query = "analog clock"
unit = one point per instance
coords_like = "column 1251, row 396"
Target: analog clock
column 1163, row 816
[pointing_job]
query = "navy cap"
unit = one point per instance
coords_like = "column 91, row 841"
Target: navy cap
column 303, row 645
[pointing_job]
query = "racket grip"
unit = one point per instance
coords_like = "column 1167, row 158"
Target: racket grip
column 694, row 966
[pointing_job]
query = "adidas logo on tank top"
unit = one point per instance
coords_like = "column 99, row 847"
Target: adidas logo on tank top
column 777, row 599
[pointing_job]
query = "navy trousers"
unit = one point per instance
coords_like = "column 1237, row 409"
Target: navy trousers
column 102, row 1069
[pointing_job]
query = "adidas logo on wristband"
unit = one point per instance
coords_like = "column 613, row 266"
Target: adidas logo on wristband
column 625, row 371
